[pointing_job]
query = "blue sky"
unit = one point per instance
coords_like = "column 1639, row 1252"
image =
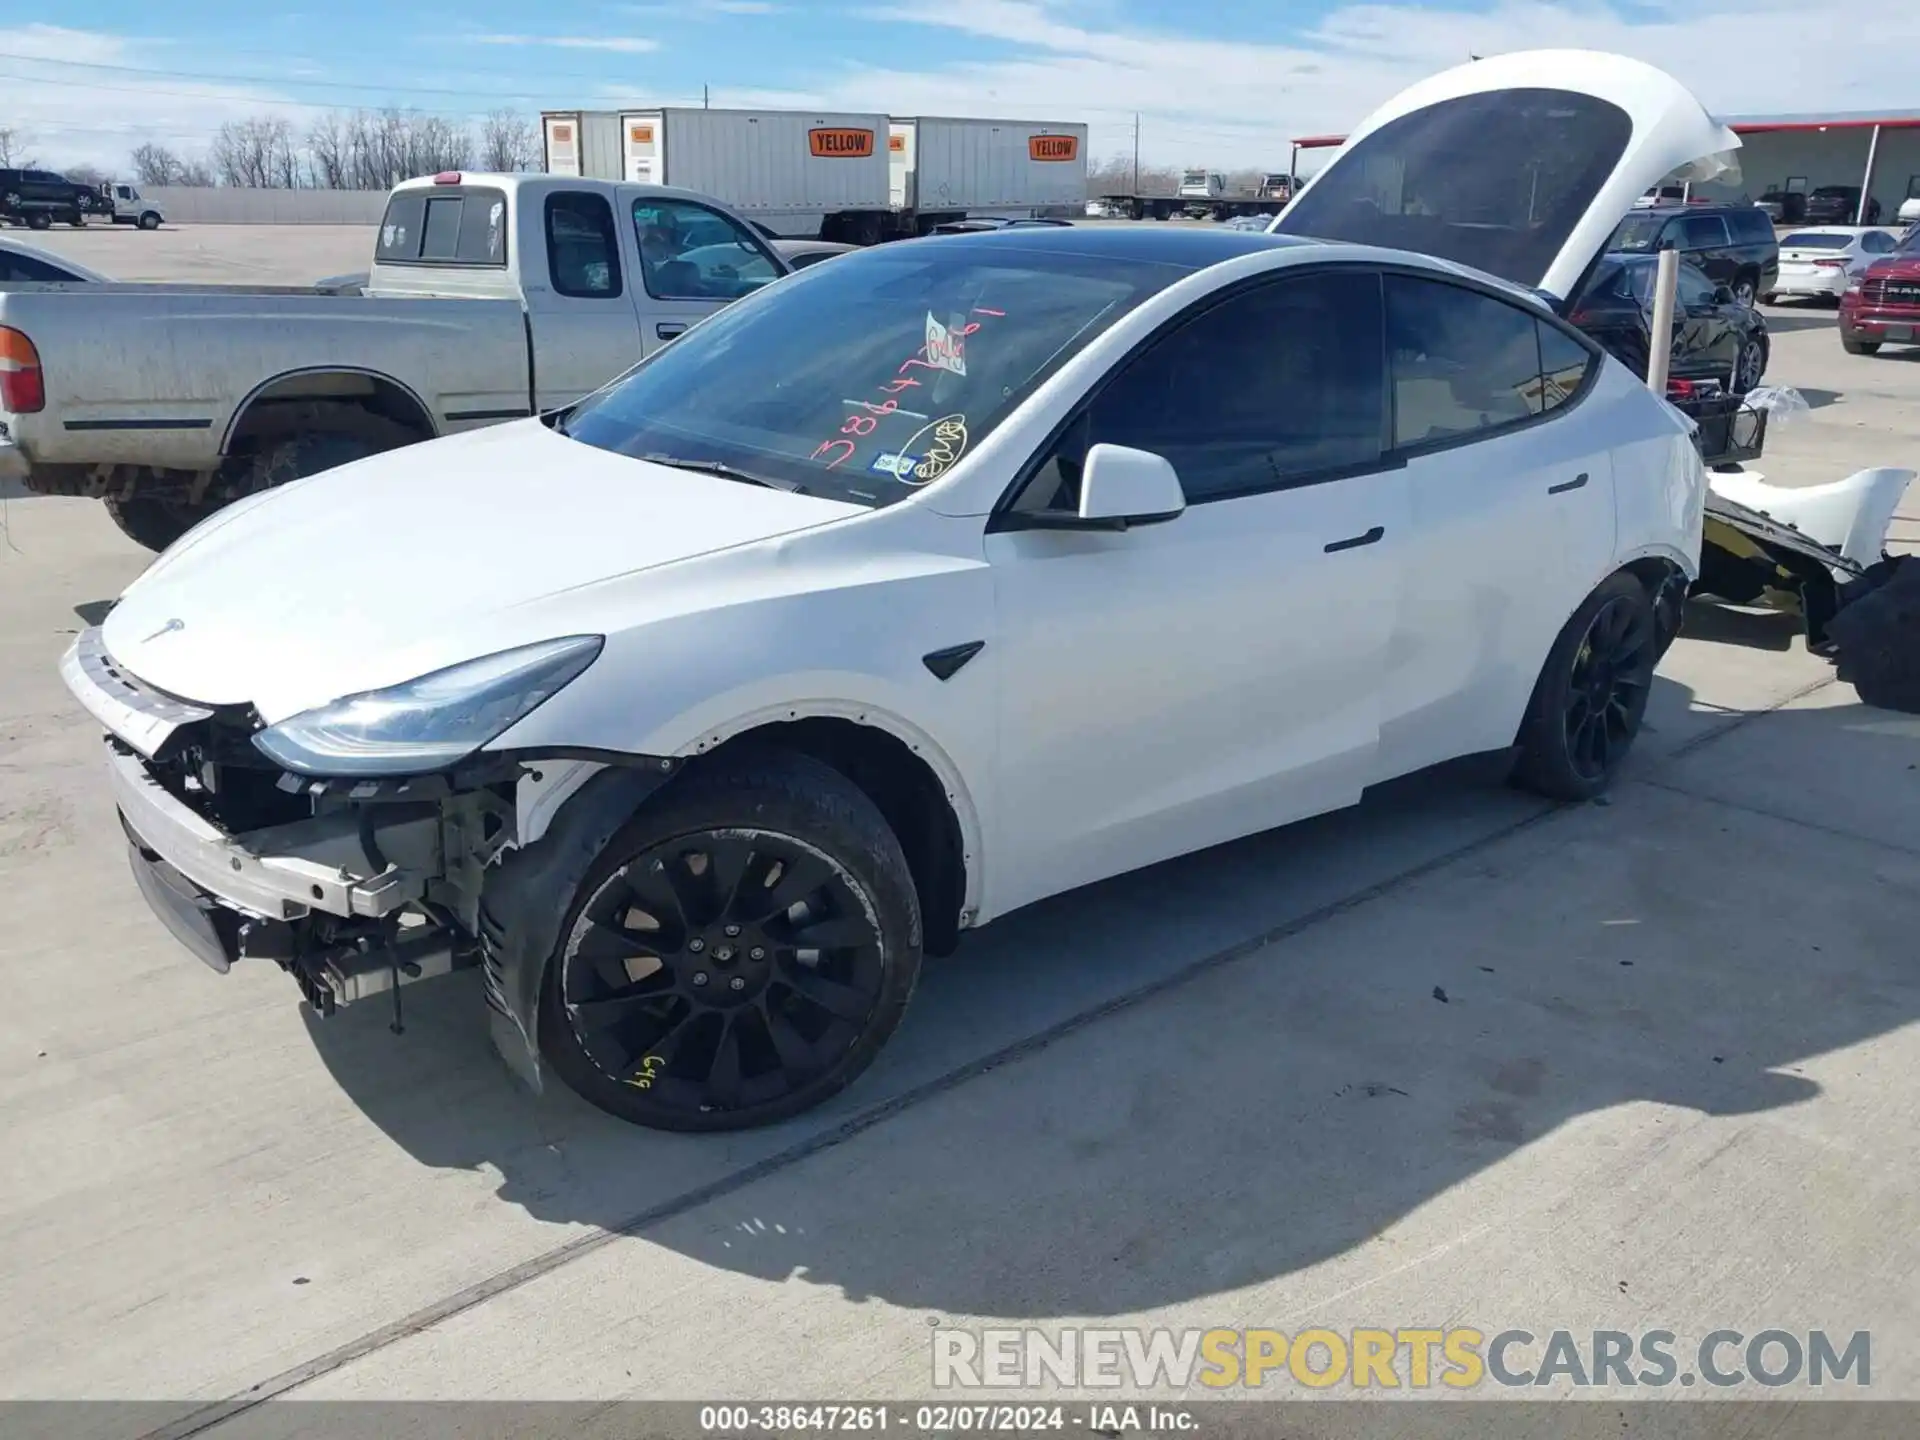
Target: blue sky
column 1221, row 82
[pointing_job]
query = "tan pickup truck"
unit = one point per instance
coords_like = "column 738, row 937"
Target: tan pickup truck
column 489, row 297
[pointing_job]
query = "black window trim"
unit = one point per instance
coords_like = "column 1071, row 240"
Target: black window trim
column 1541, row 316
column 619, row 289
column 780, row 268
column 1004, row 517
column 441, row 192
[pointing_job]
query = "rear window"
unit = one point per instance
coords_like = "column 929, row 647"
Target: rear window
column 1815, row 240
column 1423, row 182
column 444, row 226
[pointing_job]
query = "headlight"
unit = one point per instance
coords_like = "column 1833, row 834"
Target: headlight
column 428, row 723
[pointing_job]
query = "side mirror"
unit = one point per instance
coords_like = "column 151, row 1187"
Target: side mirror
column 1120, row 487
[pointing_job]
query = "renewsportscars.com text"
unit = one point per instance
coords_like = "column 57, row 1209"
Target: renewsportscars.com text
column 1458, row 1358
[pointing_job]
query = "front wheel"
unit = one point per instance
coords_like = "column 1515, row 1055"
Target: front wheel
column 1749, row 366
column 149, row 221
column 1743, row 290
column 739, row 952
column 1591, row 695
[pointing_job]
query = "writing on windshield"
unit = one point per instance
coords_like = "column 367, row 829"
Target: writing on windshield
column 944, row 350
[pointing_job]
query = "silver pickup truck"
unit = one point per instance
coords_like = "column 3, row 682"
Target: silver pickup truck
column 490, row 297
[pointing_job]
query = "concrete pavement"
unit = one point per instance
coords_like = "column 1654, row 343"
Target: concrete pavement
column 1669, row 1083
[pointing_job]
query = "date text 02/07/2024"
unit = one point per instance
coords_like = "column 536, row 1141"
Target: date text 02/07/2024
column 944, row 1419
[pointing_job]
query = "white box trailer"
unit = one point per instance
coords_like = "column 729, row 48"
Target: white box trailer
column 944, row 168
column 795, row 172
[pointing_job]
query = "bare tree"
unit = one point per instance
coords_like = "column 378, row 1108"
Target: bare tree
column 257, row 154
column 1115, row 176
column 509, row 142
column 156, row 165
column 88, row 175
column 13, row 150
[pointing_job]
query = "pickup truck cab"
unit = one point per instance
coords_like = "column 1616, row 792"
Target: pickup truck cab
column 489, row 298
column 125, row 205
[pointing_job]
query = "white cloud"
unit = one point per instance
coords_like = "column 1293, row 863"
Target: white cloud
column 703, row 9
column 618, row 44
column 77, row 97
column 1238, row 102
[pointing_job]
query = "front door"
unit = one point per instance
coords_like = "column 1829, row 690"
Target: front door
column 1175, row 685
column 693, row 260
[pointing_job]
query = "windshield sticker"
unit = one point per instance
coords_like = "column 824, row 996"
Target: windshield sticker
column 947, row 439
column 898, row 466
column 945, row 348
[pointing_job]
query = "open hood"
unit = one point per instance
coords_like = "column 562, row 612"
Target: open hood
column 1519, row 165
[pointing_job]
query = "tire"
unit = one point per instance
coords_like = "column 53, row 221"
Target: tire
column 39, row 220
column 1769, row 298
column 654, row 1050
column 78, row 219
column 1858, row 347
column 1559, row 757
column 322, row 437
column 1744, row 287
column 153, row 523
column 1749, row 366
column 149, row 221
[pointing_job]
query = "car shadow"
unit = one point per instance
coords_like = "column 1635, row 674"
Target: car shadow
column 1205, row 1074
column 1735, row 625
column 1819, row 399
column 94, row 612
column 1784, row 324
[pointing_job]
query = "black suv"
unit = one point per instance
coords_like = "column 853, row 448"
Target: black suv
column 1734, row 244
column 37, row 198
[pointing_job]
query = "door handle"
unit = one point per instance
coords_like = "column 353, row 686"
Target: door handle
column 1565, row 485
column 1356, row 541
column 667, row 329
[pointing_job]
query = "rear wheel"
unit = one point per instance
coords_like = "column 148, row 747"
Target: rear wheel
column 1750, row 365
column 1744, row 289
column 739, row 952
column 153, row 523
column 77, row 219
column 1591, row 695
column 39, row 220
column 1855, row 346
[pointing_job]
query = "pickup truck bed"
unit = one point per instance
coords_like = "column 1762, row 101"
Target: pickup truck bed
column 489, row 298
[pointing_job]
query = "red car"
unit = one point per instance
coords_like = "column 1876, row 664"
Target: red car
column 1882, row 305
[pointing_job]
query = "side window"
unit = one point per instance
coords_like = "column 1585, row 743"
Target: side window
column 688, row 252
column 1272, row 387
column 1462, row 362
column 1755, row 228
column 1877, row 242
column 1694, row 287
column 1702, row 232
column 1564, row 363
column 583, row 249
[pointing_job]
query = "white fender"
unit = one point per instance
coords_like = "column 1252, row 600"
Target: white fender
column 1850, row 515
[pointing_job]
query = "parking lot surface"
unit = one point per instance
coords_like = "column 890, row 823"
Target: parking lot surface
column 1455, row 1057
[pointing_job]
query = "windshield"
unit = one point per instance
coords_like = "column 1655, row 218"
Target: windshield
column 1638, row 232
column 1194, row 177
column 1426, row 180
column 864, row 379
column 1816, row 240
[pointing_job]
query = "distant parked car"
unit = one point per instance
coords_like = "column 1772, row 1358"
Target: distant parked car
column 1883, row 306
column 1820, row 260
column 1909, row 211
column 1247, row 222
column 1734, row 244
column 1784, row 207
column 22, row 264
column 1840, row 205
column 802, row 253
column 1715, row 336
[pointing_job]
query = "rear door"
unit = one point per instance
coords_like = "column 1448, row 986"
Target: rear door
column 1581, row 134
column 582, row 312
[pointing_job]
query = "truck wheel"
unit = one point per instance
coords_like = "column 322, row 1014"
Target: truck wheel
column 738, row 953
column 324, row 437
column 77, row 219
column 1591, row 695
column 149, row 220
column 39, row 220
column 153, row 523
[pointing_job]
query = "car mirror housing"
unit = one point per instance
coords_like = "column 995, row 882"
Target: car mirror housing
column 1120, row 487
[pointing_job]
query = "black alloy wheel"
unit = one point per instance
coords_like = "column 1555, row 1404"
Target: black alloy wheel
column 1749, row 366
column 1743, row 291
column 737, row 955
column 1592, row 693
column 1607, row 690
